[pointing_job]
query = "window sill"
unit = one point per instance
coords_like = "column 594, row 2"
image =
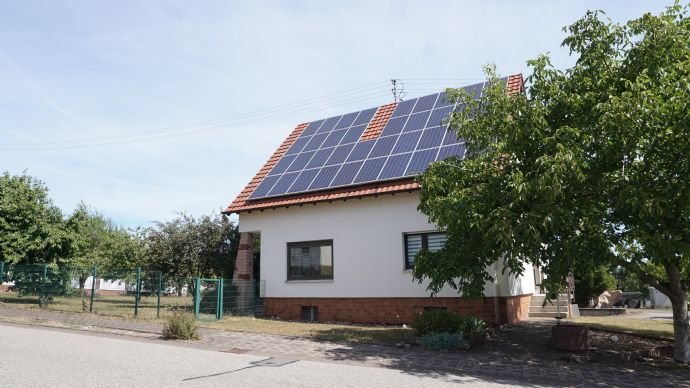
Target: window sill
column 310, row 281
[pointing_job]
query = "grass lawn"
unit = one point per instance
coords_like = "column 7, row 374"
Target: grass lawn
column 111, row 306
column 318, row 331
column 649, row 327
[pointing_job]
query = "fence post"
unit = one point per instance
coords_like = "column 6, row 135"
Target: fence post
column 138, row 292
column 43, row 283
column 219, row 308
column 158, row 302
column 93, row 288
column 197, row 297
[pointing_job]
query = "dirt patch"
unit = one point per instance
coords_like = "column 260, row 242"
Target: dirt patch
column 606, row 340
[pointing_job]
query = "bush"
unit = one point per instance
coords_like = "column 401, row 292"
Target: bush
column 473, row 327
column 437, row 321
column 443, row 341
column 181, row 326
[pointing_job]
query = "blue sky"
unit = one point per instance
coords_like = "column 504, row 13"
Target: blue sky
column 145, row 108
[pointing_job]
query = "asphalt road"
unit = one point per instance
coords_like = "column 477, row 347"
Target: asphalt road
column 40, row 357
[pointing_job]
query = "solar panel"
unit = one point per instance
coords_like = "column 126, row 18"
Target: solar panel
column 361, row 150
column 347, row 173
column 329, row 124
column 324, row 178
column 320, row 157
column 431, row 137
column 421, row 159
column 303, row 180
column 416, row 121
column 329, row 153
column 395, row 166
column 407, row 142
column 383, row 146
column 370, row 170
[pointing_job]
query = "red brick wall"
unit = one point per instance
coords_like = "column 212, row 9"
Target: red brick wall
column 517, row 308
column 244, row 263
column 396, row 310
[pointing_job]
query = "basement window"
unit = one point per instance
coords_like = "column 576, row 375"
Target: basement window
column 310, row 313
column 415, row 242
column 310, row 260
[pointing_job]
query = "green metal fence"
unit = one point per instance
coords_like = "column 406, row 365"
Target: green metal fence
column 129, row 293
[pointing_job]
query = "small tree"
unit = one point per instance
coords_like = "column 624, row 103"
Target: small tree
column 591, row 167
column 186, row 247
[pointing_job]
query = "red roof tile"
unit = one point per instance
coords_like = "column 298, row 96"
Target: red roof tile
column 376, row 125
column 515, row 84
column 242, row 203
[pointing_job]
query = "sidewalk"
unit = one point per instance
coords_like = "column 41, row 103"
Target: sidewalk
column 518, row 356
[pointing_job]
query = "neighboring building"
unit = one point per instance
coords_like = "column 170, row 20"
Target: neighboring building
column 336, row 209
column 104, row 287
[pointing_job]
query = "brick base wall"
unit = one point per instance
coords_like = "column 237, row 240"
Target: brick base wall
column 396, row 310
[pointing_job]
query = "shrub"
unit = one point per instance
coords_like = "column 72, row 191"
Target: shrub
column 437, row 321
column 472, row 326
column 443, row 341
column 181, row 326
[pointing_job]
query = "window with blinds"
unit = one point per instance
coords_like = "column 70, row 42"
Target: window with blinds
column 415, row 242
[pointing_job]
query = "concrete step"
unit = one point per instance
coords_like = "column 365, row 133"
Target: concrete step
column 547, row 315
column 538, row 301
column 547, row 309
column 561, row 303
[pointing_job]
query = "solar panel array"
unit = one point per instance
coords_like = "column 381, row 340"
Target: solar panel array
column 329, row 154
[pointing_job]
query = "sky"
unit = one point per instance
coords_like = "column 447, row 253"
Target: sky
column 142, row 109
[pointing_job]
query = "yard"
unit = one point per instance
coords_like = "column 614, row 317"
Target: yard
column 111, row 306
column 319, row 331
column 123, row 307
column 660, row 328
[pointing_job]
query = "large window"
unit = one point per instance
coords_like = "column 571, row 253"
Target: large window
column 310, row 260
column 415, row 242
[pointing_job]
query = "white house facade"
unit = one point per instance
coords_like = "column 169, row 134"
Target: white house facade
column 345, row 252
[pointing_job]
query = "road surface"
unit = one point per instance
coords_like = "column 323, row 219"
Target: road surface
column 41, row 357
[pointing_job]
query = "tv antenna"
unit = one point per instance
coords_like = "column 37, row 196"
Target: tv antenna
column 398, row 89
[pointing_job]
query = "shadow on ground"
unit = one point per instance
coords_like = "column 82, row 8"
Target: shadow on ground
column 520, row 355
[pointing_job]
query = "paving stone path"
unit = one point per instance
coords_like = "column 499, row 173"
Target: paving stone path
column 519, row 355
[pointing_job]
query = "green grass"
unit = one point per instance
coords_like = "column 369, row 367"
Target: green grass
column 648, row 327
column 111, row 306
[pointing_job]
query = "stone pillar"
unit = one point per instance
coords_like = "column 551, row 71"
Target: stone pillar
column 244, row 263
column 242, row 278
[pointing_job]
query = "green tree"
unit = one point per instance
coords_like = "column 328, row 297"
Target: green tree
column 590, row 167
column 31, row 227
column 98, row 242
column 186, row 247
column 591, row 282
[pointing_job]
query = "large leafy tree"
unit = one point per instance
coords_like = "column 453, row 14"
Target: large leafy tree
column 590, row 167
column 31, row 226
column 187, row 247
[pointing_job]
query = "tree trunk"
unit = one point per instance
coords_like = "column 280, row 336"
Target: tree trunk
column 681, row 328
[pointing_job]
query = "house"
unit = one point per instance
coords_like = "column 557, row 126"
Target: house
column 336, row 209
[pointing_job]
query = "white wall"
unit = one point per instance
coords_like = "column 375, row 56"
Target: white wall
column 368, row 248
